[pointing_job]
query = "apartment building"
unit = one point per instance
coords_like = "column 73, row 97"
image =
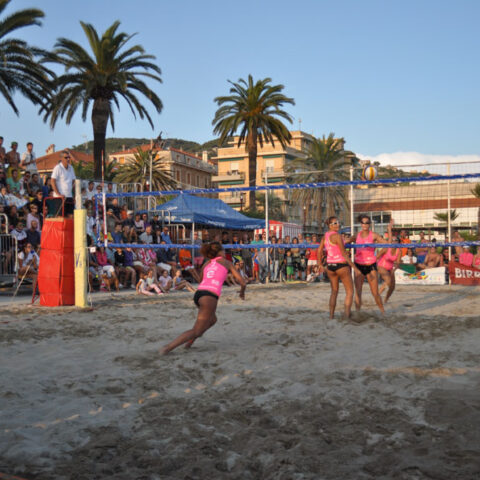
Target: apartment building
column 190, row 171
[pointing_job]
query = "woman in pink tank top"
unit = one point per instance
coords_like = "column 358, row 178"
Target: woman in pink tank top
column 388, row 261
column 338, row 265
column 476, row 259
column 365, row 260
column 214, row 273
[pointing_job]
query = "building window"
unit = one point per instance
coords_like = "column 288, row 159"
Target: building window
column 269, row 165
column 234, row 167
column 178, row 176
column 188, row 178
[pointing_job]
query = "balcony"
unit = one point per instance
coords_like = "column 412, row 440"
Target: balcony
column 273, row 174
column 232, row 200
column 238, row 177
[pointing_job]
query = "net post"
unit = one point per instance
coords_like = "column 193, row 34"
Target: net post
column 351, row 210
column 267, row 229
column 80, row 248
column 449, row 220
column 105, row 234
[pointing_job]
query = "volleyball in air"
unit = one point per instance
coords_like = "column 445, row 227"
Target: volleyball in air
column 369, row 173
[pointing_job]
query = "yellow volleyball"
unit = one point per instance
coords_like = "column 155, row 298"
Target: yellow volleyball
column 369, row 173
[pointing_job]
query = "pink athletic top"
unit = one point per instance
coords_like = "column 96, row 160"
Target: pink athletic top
column 334, row 254
column 387, row 260
column 466, row 258
column 214, row 274
column 365, row 255
column 476, row 261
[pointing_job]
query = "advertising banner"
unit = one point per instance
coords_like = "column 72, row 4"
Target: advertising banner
column 462, row 275
column 429, row 276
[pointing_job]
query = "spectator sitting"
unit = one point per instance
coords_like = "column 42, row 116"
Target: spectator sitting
column 34, row 186
column 13, row 216
column 146, row 284
column 129, row 221
column 147, row 237
column 33, row 216
column 165, row 281
column 14, row 182
column 19, row 233
column 138, row 224
column 90, row 193
column 179, row 283
column 166, row 235
column 47, row 188
column 33, row 234
column 409, row 258
column 313, row 275
column 432, row 260
column 117, row 234
column 124, row 267
column 3, row 177
column 149, row 260
column 112, row 220
column 3, row 196
column 166, row 259
column 24, row 181
column 466, row 257
column 146, row 222
column 476, row 260
column 107, row 269
column 28, row 262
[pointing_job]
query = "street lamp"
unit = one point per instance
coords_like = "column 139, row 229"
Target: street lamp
column 241, row 202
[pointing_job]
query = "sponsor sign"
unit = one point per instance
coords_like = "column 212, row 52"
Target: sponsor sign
column 462, row 275
column 429, row 276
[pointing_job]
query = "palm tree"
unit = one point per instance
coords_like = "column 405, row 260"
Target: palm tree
column 326, row 161
column 19, row 69
column 85, row 171
column 476, row 192
column 111, row 73
column 443, row 216
column 255, row 108
column 138, row 171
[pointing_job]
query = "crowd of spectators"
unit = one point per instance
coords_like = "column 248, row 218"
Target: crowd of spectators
column 153, row 269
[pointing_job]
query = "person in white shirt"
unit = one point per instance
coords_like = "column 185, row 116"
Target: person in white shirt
column 165, row 281
column 63, row 177
column 29, row 160
column 409, row 258
column 28, row 262
column 91, row 190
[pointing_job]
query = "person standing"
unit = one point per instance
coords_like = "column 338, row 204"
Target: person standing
column 338, row 265
column 2, row 153
column 12, row 158
column 29, row 160
column 366, row 263
column 63, row 177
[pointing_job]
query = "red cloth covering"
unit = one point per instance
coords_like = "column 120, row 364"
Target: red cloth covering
column 56, row 274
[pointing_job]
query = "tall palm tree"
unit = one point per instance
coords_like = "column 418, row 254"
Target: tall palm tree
column 476, row 193
column 85, row 170
column 138, row 171
column 101, row 79
column 325, row 161
column 19, row 68
column 256, row 109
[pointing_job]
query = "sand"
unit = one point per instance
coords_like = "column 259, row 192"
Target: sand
column 276, row 390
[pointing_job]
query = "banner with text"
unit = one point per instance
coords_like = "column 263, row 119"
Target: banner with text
column 462, row 275
column 429, row 276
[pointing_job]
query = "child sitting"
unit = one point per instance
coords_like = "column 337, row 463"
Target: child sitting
column 146, row 284
column 179, row 283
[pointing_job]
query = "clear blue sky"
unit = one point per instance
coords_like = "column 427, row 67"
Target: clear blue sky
column 388, row 76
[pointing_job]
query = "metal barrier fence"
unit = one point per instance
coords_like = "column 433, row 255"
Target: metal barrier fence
column 8, row 260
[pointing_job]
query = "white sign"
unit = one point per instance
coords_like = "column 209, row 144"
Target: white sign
column 429, row 276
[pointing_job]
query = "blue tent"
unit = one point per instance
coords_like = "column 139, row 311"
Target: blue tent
column 206, row 211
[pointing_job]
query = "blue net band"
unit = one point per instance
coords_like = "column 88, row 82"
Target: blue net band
column 296, row 245
column 293, row 186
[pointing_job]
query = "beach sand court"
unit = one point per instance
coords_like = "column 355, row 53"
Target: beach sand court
column 275, row 390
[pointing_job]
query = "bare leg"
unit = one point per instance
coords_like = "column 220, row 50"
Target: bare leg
column 359, row 278
column 391, row 287
column 386, row 277
column 345, row 275
column 334, row 282
column 205, row 319
column 372, row 279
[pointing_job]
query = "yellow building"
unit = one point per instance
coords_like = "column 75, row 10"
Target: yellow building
column 272, row 161
column 188, row 169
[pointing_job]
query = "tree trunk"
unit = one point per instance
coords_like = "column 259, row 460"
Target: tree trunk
column 252, row 167
column 100, row 113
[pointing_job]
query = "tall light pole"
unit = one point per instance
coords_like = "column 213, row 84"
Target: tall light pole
column 241, row 202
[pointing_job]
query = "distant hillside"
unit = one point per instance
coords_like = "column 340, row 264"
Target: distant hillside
column 117, row 144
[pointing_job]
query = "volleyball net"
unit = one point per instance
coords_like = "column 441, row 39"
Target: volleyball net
column 440, row 200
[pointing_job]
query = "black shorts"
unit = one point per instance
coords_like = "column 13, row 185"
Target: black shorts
column 333, row 267
column 366, row 269
column 203, row 293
